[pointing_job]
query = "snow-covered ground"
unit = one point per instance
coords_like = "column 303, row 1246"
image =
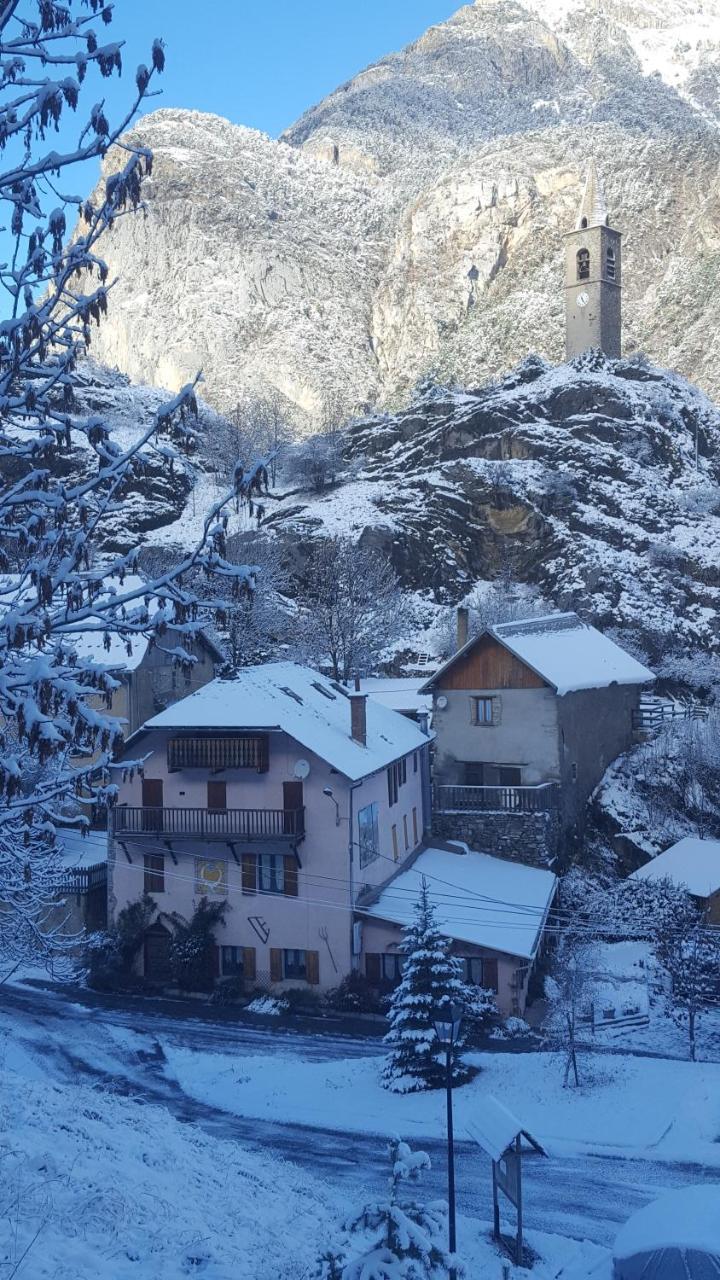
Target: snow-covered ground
column 626, row 1105
column 99, row 1183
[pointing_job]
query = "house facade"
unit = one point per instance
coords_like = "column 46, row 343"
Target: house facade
column 493, row 910
column 281, row 793
column 527, row 717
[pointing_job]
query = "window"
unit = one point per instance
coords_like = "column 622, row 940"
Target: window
column 396, row 850
column 270, row 873
column 295, row 964
column 211, row 877
column 415, row 827
column 480, row 971
column 391, row 967
column 154, row 873
column 610, row 263
column 405, row 831
column 368, row 835
column 483, row 710
column 473, row 773
column 232, row 961
column 396, row 775
column 583, row 264
column 415, row 761
column 574, row 773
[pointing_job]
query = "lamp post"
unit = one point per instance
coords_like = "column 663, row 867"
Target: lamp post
column 447, row 1020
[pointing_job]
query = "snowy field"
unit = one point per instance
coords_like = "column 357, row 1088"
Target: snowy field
column 98, row 1186
column 625, row 1105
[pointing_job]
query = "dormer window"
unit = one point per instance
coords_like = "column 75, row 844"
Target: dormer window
column 583, row 264
column 610, row 264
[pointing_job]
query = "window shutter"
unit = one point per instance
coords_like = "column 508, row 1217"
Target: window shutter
column 291, row 875
column 490, row 975
column 249, row 877
column 216, row 962
column 496, row 710
column 249, row 966
column 276, row 965
column 372, row 966
column 312, row 963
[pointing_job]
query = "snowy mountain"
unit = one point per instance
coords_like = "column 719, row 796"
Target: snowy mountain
column 580, row 480
column 413, row 220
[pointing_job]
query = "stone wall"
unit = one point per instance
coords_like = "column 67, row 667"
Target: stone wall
column 532, row 838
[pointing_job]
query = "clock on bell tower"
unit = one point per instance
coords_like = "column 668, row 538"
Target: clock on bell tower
column 593, row 281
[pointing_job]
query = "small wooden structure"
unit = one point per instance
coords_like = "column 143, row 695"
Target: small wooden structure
column 501, row 1135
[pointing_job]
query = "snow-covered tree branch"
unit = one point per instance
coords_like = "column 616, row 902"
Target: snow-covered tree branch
column 63, row 475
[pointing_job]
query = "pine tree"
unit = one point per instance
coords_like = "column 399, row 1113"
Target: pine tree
column 432, row 977
column 394, row 1238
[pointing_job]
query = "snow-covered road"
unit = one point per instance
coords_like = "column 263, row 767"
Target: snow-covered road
column 120, row 1048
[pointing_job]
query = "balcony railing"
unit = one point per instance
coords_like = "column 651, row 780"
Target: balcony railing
column 84, row 879
column 210, row 824
column 456, row 799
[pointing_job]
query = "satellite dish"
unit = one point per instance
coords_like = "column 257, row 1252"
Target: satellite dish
column 302, row 769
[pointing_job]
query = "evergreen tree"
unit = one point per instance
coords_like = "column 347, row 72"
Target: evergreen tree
column 394, row 1238
column 432, row 977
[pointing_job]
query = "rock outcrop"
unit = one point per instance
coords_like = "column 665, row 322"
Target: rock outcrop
column 413, row 220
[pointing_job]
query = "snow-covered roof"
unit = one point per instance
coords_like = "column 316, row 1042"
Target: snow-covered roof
column 400, row 693
column 479, row 899
column 564, row 651
column 495, row 1128
column 308, row 707
column 686, row 1219
column 78, row 850
column 692, row 863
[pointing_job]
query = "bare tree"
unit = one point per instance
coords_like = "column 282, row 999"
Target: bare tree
column 690, row 954
column 352, row 606
column 569, row 991
column 503, row 600
column 264, row 429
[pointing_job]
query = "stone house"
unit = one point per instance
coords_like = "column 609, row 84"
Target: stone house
column 527, row 718
column 281, row 793
column 494, row 911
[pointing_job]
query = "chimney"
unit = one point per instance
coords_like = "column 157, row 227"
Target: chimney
column 358, row 718
column 463, row 622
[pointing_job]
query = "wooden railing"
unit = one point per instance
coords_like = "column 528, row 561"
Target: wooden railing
column 211, row 824
column 83, row 879
column 654, row 713
column 536, row 799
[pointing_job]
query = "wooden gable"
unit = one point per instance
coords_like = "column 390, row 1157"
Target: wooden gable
column 489, row 665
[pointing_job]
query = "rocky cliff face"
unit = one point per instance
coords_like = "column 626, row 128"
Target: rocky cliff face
column 414, row 219
column 580, row 480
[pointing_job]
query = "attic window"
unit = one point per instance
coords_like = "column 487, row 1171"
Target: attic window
column 291, row 693
column 321, row 689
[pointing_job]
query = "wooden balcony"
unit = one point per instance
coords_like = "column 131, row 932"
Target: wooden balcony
column 208, row 824
column 457, row 799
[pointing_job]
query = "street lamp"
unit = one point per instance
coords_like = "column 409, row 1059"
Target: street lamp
column 447, row 1020
column 328, row 791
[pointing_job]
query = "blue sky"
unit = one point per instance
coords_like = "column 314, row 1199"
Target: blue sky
column 263, row 64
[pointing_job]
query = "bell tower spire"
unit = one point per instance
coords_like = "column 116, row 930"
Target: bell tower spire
column 593, row 262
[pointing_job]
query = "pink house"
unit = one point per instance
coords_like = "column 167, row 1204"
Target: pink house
column 283, row 793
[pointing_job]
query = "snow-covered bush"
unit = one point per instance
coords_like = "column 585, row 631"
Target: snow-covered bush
column 431, row 978
column 110, row 955
column 394, row 1238
column 355, row 994
column 268, row 1006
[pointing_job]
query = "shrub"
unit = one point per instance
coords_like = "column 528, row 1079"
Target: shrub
column 355, row 994
column 192, row 950
column 110, row 956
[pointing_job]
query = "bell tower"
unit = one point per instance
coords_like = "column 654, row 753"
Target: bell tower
column 593, row 277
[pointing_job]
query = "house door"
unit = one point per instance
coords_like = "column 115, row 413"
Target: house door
column 152, row 801
column 292, row 802
column 157, row 954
